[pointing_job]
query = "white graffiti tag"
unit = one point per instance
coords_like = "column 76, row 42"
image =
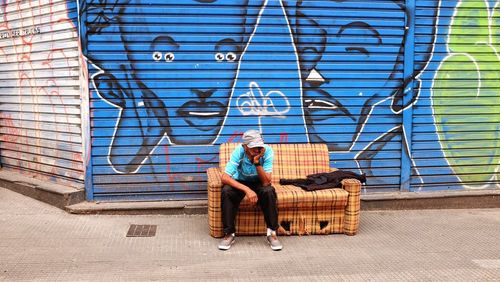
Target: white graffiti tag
column 255, row 103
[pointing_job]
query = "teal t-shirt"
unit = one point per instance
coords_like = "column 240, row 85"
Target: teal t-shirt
column 241, row 168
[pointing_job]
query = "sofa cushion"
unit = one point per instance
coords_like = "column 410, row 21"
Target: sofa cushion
column 290, row 160
column 293, row 197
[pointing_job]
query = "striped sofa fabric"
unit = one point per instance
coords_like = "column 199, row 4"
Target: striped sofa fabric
column 300, row 212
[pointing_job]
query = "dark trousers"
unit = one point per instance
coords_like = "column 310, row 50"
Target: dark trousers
column 231, row 199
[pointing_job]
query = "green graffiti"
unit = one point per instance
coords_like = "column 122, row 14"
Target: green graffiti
column 495, row 27
column 466, row 93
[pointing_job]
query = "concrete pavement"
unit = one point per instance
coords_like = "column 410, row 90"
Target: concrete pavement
column 39, row 242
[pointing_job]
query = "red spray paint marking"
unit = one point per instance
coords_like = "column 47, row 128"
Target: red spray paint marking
column 27, row 74
column 235, row 136
column 202, row 164
column 12, row 131
column 171, row 177
column 284, row 138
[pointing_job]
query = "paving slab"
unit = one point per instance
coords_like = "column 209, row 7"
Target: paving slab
column 42, row 243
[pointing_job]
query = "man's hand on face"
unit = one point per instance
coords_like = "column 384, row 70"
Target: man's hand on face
column 252, row 197
column 256, row 158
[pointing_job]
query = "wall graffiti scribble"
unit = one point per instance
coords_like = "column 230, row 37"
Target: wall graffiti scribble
column 39, row 101
column 255, row 102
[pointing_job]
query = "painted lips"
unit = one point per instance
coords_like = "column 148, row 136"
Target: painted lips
column 202, row 115
column 323, row 106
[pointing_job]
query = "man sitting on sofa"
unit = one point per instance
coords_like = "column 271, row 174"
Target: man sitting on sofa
column 248, row 173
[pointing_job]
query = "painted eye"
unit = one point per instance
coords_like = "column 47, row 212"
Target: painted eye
column 357, row 50
column 157, row 56
column 169, row 57
column 231, row 57
column 219, row 57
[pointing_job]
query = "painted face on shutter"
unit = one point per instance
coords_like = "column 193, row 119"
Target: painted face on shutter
column 186, row 54
column 350, row 59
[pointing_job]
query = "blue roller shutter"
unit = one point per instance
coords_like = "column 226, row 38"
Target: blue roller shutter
column 172, row 80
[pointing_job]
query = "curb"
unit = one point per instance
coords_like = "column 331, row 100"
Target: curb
column 376, row 201
column 72, row 200
column 140, row 208
column 463, row 199
column 53, row 194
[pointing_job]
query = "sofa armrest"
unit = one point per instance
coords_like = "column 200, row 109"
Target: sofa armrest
column 214, row 178
column 214, row 188
column 351, row 220
column 352, row 210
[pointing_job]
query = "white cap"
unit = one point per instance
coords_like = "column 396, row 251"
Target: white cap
column 252, row 138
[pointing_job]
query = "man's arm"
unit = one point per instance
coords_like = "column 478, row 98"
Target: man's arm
column 265, row 177
column 227, row 179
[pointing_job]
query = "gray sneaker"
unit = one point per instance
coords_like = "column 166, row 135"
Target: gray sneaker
column 226, row 242
column 274, row 242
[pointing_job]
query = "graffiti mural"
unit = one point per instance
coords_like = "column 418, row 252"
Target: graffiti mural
column 472, row 90
column 172, row 79
column 171, row 85
column 267, row 93
column 352, row 47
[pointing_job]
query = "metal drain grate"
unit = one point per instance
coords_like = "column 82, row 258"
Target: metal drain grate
column 141, row 230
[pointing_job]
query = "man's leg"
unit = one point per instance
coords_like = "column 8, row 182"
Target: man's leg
column 268, row 203
column 230, row 202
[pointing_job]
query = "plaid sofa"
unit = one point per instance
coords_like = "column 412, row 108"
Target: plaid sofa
column 299, row 212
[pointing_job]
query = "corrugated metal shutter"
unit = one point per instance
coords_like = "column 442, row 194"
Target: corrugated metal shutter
column 153, row 64
column 173, row 79
column 352, row 62
column 40, row 92
column 457, row 119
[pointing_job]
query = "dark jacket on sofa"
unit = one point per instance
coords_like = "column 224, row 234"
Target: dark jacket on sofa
column 323, row 180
